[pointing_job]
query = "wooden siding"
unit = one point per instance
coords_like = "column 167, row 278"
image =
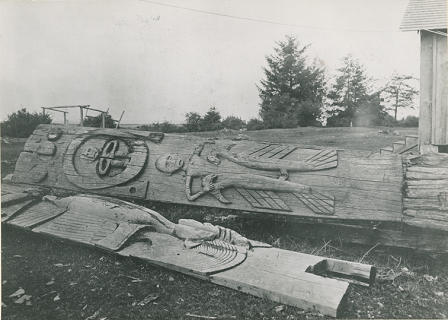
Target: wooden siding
column 433, row 91
column 425, row 14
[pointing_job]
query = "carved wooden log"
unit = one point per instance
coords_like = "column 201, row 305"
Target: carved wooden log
column 286, row 180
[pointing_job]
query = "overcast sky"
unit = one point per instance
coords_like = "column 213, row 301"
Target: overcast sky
column 159, row 60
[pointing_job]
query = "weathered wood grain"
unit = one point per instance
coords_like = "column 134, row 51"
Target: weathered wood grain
column 441, row 215
column 14, row 209
column 13, row 198
column 35, row 215
column 115, row 240
column 425, row 204
column 279, row 275
column 426, row 173
column 364, row 187
column 427, row 223
column 360, row 272
column 425, row 200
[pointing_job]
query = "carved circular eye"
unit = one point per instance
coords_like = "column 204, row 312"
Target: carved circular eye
column 54, row 134
column 132, row 190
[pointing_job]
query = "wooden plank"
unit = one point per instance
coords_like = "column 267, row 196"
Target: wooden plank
column 442, row 183
column 425, row 204
column 419, row 192
column 440, row 131
column 280, row 276
column 426, row 88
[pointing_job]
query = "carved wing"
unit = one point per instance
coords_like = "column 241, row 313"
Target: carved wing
column 318, row 202
column 271, row 151
column 264, row 199
column 324, row 159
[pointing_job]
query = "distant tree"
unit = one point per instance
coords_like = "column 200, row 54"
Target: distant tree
column 166, row 127
column 97, row 121
column 409, row 121
column 290, row 81
column 350, row 93
column 193, row 122
column 21, row 124
column 212, row 120
column 400, row 93
column 255, row 124
column 234, row 123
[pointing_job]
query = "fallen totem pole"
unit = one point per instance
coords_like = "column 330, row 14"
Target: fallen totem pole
column 368, row 197
column 376, row 198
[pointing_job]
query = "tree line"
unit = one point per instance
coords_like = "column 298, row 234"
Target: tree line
column 294, row 92
column 297, row 92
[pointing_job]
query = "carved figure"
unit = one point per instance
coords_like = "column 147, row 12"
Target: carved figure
column 107, row 209
column 213, row 181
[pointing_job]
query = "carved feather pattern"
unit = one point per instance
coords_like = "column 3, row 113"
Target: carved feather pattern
column 263, row 199
column 223, row 255
column 272, row 151
column 318, row 202
column 324, row 159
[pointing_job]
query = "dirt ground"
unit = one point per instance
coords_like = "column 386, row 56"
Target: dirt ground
column 67, row 281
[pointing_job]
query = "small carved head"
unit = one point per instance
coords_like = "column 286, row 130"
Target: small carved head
column 169, row 163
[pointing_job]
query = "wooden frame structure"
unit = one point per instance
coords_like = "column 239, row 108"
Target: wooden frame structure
column 82, row 115
column 430, row 19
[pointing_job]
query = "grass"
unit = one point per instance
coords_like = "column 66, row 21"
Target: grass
column 69, row 281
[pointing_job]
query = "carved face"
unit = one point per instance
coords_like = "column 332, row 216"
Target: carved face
column 169, row 163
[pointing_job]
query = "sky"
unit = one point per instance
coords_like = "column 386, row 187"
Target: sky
column 158, row 60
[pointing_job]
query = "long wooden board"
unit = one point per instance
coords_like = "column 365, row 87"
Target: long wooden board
column 270, row 178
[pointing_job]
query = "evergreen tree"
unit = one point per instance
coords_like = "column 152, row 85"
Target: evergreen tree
column 400, row 93
column 211, row 120
column 349, row 94
column 293, row 90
